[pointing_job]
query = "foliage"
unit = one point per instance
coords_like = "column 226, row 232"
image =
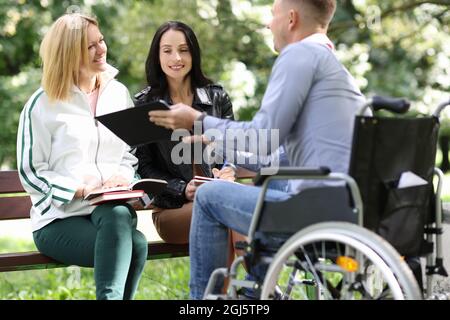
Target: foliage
column 394, row 47
column 18, row 245
column 224, row 38
column 398, row 48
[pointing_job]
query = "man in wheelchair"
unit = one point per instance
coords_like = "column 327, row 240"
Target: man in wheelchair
column 311, row 102
column 311, row 108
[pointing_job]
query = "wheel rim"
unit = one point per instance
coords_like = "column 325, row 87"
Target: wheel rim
column 324, row 236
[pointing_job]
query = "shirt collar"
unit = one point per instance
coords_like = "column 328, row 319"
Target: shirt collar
column 106, row 76
column 320, row 38
column 109, row 74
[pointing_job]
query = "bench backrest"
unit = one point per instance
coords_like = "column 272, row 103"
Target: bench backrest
column 14, row 204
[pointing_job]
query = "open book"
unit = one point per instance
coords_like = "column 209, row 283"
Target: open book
column 198, row 180
column 135, row 190
column 116, row 196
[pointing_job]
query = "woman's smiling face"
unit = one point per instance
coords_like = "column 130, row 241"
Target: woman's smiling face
column 174, row 55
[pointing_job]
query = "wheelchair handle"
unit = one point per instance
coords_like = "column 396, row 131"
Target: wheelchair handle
column 292, row 171
column 441, row 107
column 395, row 105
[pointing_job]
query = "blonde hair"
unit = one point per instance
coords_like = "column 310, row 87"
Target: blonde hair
column 63, row 49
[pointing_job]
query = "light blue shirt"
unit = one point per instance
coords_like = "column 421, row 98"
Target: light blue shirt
column 312, row 100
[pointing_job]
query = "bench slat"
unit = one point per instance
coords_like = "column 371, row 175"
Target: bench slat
column 162, row 250
column 15, row 208
column 26, row 261
column 35, row 260
column 9, row 182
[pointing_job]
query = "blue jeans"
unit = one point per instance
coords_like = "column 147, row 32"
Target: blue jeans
column 219, row 205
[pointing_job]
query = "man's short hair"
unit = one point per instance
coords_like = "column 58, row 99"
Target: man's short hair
column 322, row 10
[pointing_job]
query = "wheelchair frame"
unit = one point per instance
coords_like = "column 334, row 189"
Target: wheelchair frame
column 434, row 260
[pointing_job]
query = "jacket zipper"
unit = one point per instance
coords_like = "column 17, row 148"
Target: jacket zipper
column 96, row 151
column 98, row 132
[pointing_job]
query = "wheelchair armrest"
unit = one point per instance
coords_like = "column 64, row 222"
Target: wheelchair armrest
column 292, row 172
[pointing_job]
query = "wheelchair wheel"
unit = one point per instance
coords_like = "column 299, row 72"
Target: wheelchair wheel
column 338, row 261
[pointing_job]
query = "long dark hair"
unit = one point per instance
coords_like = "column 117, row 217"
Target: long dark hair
column 156, row 78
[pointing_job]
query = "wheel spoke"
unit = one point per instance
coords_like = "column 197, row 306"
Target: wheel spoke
column 343, row 263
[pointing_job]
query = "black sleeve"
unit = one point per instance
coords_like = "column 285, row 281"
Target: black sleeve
column 226, row 105
column 173, row 196
column 148, row 166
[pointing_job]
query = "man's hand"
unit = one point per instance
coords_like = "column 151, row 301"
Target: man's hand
column 180, row 116
column 116, row 181
column 226, row 173
column 191, row 188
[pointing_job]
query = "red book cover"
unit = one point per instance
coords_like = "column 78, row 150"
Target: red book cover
column 116, row 196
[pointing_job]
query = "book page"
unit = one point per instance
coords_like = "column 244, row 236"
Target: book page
column 203, row 178
column 152, row 186
column 163, row 182
column 198, row 180
column 99, row 191
column 115, row 196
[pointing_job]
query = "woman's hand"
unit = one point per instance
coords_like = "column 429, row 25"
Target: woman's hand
column 226, row 173
column 84, row 190
column 191, row 188
column 116, row 181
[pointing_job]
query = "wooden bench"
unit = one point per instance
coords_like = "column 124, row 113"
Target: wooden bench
column 16, row 204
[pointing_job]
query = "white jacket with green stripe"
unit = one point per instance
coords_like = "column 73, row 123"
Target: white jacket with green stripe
column 61, row 146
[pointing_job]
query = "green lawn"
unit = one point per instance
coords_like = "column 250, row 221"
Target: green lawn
column 162, row 279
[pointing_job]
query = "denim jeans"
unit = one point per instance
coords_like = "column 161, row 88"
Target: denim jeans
column 219, row 205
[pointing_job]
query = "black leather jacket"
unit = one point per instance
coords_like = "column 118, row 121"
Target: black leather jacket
column 154, row 158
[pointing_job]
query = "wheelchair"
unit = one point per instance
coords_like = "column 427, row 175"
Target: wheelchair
column 360, row 239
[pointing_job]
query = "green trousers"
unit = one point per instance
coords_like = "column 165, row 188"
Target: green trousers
column 106, row 240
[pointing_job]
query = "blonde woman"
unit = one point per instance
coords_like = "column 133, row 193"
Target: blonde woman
column 63, row 153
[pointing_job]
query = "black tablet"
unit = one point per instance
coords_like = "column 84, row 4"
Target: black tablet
column 133, row 125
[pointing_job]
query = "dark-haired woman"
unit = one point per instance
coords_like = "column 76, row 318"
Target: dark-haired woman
column 174, row 74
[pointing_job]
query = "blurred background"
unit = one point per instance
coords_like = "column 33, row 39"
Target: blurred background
column 392, row 47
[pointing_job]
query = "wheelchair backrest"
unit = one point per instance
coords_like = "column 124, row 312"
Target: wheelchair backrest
column 383, row 149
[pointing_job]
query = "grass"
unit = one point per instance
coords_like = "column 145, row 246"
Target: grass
column 161, row 280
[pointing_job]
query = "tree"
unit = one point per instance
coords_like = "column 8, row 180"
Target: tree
column 395, row 47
